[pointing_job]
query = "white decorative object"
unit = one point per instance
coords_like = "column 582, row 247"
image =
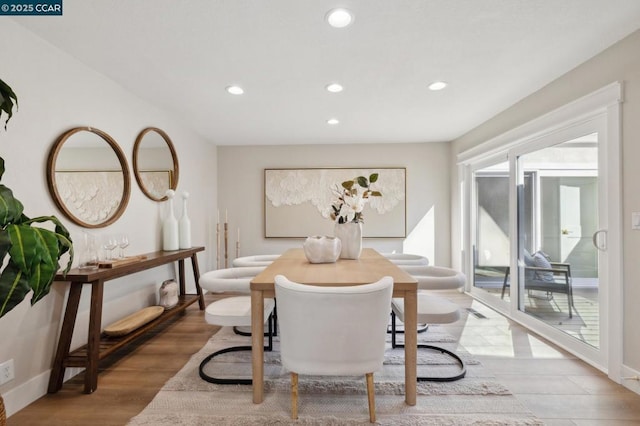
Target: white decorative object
column 170, row 226
column 350, row 235
column 184, row 225
column 322, row 249
column 168, row 294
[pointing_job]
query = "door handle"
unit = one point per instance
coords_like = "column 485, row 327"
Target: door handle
column 600, row 243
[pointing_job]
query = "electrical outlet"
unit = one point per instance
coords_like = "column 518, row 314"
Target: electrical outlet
column 6, row 372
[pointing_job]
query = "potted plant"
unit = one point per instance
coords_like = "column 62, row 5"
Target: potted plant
column 29, row 253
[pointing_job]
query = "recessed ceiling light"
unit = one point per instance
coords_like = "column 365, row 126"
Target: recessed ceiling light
column 235, row 90
column 339, row 18
column 333, row 121
column 334, row 88
column 437, row 85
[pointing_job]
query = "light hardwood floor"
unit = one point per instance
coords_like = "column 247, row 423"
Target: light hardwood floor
column 556, row 387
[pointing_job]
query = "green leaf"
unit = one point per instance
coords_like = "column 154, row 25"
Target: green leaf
column 373, row 177
column 13, row 288
column 1, row 167
column 10, row 207
column 376, row 194
column 362, row 181
column 6, row 103
column 5, row 244
column 25, row 247
column 40, row 281
column 347, row 184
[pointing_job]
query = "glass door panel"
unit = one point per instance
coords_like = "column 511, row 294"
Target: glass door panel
column 558, row 279
column 491, row 240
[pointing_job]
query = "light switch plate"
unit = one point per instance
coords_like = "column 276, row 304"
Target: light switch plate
column 635, row 220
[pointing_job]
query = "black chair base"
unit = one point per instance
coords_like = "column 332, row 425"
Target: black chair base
column 231, row 381
column 453, row 378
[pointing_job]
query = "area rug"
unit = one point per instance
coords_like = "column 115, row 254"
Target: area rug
column 477, row 399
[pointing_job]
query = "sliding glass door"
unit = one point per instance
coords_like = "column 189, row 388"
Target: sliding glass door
column 537, row 237
column 557, row 218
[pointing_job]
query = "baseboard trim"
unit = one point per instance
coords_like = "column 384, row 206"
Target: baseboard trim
column 630, row 379
column 33, row 389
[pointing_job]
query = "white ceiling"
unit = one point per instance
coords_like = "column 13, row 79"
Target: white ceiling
column 181, row 55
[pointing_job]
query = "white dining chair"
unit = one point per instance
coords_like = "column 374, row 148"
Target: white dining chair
column 234, row 311
column 432, row 309
column 256, row 260
column 406, row 259
column 333, row 331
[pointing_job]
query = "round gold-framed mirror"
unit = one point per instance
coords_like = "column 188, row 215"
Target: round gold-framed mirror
column 88, row 177
column 155, row 163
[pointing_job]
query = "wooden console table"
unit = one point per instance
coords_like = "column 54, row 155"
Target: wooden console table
column 99, row 346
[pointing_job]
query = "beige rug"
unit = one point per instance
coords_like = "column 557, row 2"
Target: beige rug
column 477, row 399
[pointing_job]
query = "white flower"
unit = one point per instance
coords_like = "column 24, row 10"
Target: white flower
column 351, row 201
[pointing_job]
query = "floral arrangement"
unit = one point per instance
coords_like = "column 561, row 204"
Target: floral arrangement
column 352, row 198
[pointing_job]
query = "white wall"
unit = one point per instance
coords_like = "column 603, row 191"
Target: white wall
column 621, row 62
column 56, row 93
column 241, row 190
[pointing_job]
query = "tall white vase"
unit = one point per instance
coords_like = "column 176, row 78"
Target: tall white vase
column 184, row 224
column 170, row 226
column 350, row 235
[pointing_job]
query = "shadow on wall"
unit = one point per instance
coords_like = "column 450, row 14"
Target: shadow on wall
column 421, row 239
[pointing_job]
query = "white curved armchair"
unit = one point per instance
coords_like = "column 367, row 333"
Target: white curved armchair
column 230, row 279
column 319, row 336
column 234, row 311
column 432, row 309
column 435, row 277
column 406, row 259
column 257, row 260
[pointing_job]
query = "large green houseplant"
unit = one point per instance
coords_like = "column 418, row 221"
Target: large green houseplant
column 29, row 254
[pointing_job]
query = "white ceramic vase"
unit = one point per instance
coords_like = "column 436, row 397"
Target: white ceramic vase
column 170, row 239
column 322, row 249
column 350, row 235
column 184, row 225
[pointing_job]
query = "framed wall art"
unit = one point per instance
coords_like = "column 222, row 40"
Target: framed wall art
column 297, row 202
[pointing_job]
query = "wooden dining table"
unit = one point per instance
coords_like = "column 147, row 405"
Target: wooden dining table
column 370, row 267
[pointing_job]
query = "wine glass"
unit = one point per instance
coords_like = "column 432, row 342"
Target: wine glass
column 109, row 243
column 123, row 243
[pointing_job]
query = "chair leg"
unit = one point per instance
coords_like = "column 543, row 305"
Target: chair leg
column 294, row 396
column 371, row 395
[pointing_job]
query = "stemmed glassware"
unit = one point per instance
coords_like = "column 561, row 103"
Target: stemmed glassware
column 109, row 243
column 123, row 243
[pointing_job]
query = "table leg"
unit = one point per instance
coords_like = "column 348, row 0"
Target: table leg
column 257, row 342
column 181, row 277
column 64, row 342
column 410, row 345
column 196, row 276
column 93, row 341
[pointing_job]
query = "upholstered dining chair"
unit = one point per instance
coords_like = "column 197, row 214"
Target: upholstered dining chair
column 432, row 309
column 333, row 331
column 234, row 311
column 256, row 260
column 406, row 259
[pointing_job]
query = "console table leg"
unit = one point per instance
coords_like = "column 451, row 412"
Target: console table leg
column 196, row 276
column 181, row 277
column 64, row 342
column 93, row 341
